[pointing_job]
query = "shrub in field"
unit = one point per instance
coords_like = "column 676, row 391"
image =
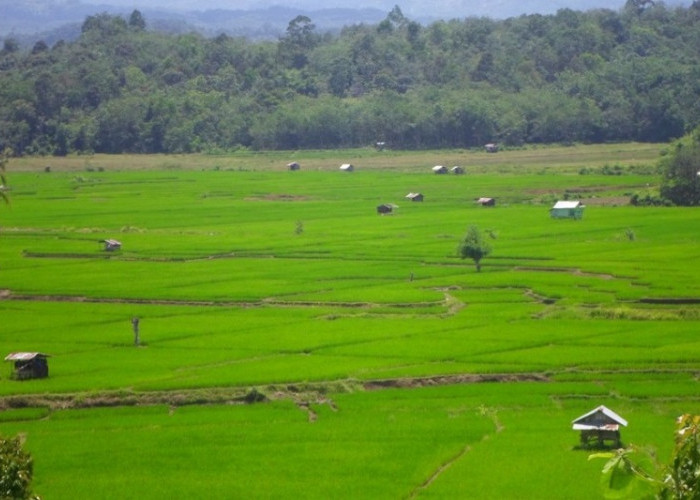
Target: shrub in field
column 474, row 246
column 681, row 170
column 632, row 472
column 648, row 199
column 16, row 470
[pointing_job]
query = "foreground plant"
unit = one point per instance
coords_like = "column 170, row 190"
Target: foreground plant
column 632, row 472
column 16, row 470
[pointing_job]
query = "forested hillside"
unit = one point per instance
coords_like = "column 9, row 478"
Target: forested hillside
column 591, row 76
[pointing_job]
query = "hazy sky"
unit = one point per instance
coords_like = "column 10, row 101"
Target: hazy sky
column 441, row 8
column 413, row 9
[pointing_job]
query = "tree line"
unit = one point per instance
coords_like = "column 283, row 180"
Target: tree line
column 593, row 76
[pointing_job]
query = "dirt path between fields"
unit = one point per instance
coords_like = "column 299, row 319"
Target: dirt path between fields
column 567, row 270
column 6, row 294
column 303, row 395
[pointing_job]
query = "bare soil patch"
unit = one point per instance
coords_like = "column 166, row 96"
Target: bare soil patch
column 608, row 201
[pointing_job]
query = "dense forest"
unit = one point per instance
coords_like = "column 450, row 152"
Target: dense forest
column 593, row 76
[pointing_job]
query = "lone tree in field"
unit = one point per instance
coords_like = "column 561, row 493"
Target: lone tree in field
column 16, row 470
column 474, row 247
column 681, row 171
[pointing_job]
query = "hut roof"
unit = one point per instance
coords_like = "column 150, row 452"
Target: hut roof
column 567, row 204
column 346, row 166
column 25, row 356
column 599, row 418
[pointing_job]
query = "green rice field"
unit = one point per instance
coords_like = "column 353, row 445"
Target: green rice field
column 293, row 343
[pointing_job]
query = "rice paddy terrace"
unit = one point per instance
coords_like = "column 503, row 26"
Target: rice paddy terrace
column 293, row 341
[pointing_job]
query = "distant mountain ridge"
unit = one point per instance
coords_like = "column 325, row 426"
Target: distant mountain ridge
column 51, row 20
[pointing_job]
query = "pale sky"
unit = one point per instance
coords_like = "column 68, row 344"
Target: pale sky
column 413, row 9
column 436, row 8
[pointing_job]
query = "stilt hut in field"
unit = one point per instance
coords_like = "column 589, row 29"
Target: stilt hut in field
column 293, row 166
column 439, row 169
column 457, row 170
column 598, row 426
column 28, row 365
column 347, row 167
column 567, row 210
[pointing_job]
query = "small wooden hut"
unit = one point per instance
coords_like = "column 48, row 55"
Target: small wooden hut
column 598, row 426
column 293, row 166
column 111, row 245
column 567, row 210
column 347, row 167
column 414, row 197
column 385, row 208
column 487, row 202
column 28, row 365
column 439, row 169
column 491, row 147
column 457, row 170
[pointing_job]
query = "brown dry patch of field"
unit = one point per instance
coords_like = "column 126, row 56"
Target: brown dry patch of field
column 277, row 197
column 608, row 201
column 302, row 395
column 466, row 378
column 582, row 189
